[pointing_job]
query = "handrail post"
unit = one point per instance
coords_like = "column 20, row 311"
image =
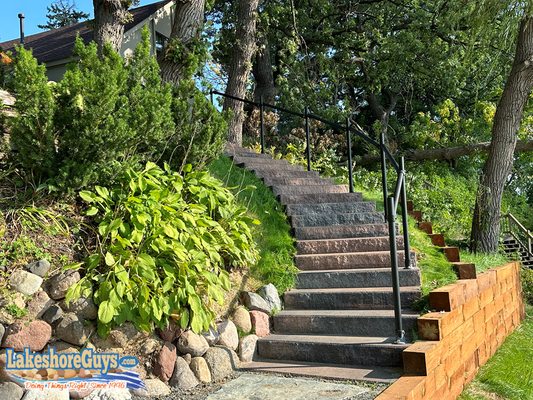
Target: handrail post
column 349, row 144
column 307, row 139
column 400, row 333
column 262, row 124
column 405, row 222
column 383, row 172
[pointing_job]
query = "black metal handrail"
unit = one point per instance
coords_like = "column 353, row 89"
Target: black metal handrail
column 519, row 232
column 390, row 202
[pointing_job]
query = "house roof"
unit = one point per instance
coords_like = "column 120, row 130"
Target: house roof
column 57, row 44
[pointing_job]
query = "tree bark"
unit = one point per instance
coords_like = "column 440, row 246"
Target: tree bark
column 381, row 112
column 240, row 65
column 486, row 220
column 446, row 153
column 186, row 29
column 263, row 73
column 109, row 19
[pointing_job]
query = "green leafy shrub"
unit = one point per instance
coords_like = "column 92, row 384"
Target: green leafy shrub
column 526, row 276
column 165, row 243
column 32, row 130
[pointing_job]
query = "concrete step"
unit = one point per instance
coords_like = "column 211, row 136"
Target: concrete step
column 330, row 219
column 346, row 350
column 340, row 231
column 325, row 371
column 346, row 245
column 367, row 259
column 330, row 208
column 308, row 189
column 356, row 278
column 245, row 153
column 349, row 298
column 343, row 322
column 277, row 181
column 237, row 159
column 313, row 198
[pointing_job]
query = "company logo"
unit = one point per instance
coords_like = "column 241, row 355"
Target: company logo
column 86, row 369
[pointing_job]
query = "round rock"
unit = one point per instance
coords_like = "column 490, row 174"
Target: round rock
column 73, row 330
column 38, row 305
column 200, row 368
column 58, row 284
column 193, row 344
column 53, row 314
column 34, row 335
column 211, row 336
column 83, row 307
column 165, row 361
column 220, row 361
column 270, row 294
column 241, row 319
column 229, row 336
column 25, row 282
column 40, row 267
column 10, row 391
column 260, row 322
column 253, row 301
column 247, row 347
column 183, row 378
column 154, row 388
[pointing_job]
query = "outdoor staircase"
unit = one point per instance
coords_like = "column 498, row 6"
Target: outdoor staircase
column 339, row 319
column 512, row 247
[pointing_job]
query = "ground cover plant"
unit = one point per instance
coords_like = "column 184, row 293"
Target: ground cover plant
column 274, row 240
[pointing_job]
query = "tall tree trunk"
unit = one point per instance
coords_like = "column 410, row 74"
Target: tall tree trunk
column 186, row 30
column 240, row 65
column 109, row 19
column 381, row 112
column 486, row 220
column 263, row 73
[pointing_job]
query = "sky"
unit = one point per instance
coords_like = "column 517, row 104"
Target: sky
column 35, row 13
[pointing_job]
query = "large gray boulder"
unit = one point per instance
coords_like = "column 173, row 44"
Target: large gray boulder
column 192, row 343
column 270, row 294
column 253, row 301
column 25, row 282
column 183, row 378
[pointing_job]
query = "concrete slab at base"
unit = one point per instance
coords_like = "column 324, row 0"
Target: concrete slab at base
column 326, row 371
column 268, row 387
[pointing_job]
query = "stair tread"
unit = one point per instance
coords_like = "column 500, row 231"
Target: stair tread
column 335, row 339
column 346, row 313
column 355, row 290
column 351, row 253
column 356, row 270
column 322, row 370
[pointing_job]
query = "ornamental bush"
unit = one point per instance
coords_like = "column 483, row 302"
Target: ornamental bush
column 165, row 244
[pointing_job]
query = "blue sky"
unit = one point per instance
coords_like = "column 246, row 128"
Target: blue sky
column 35, row 13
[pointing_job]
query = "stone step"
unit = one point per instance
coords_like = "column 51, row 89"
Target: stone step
column 245, row 153
column 355, row 278
column 239, row 160
column 330, row 208
column 343, row 322
column 313, row 198
column 272, row 173
column 308, row 189
column 331, row 219
column 337, row 372
column 368, row 259
column 346, row 350
column 346, row 245
column 349, row 298
column 297, row 181
column 340, row 231
column 253, row 166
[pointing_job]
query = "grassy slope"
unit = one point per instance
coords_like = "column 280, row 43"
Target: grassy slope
column 273, row 235
column 508, row 374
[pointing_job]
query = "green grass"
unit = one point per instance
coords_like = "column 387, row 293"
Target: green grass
column 273, row 236
column 484, row 261
column 508, row 374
